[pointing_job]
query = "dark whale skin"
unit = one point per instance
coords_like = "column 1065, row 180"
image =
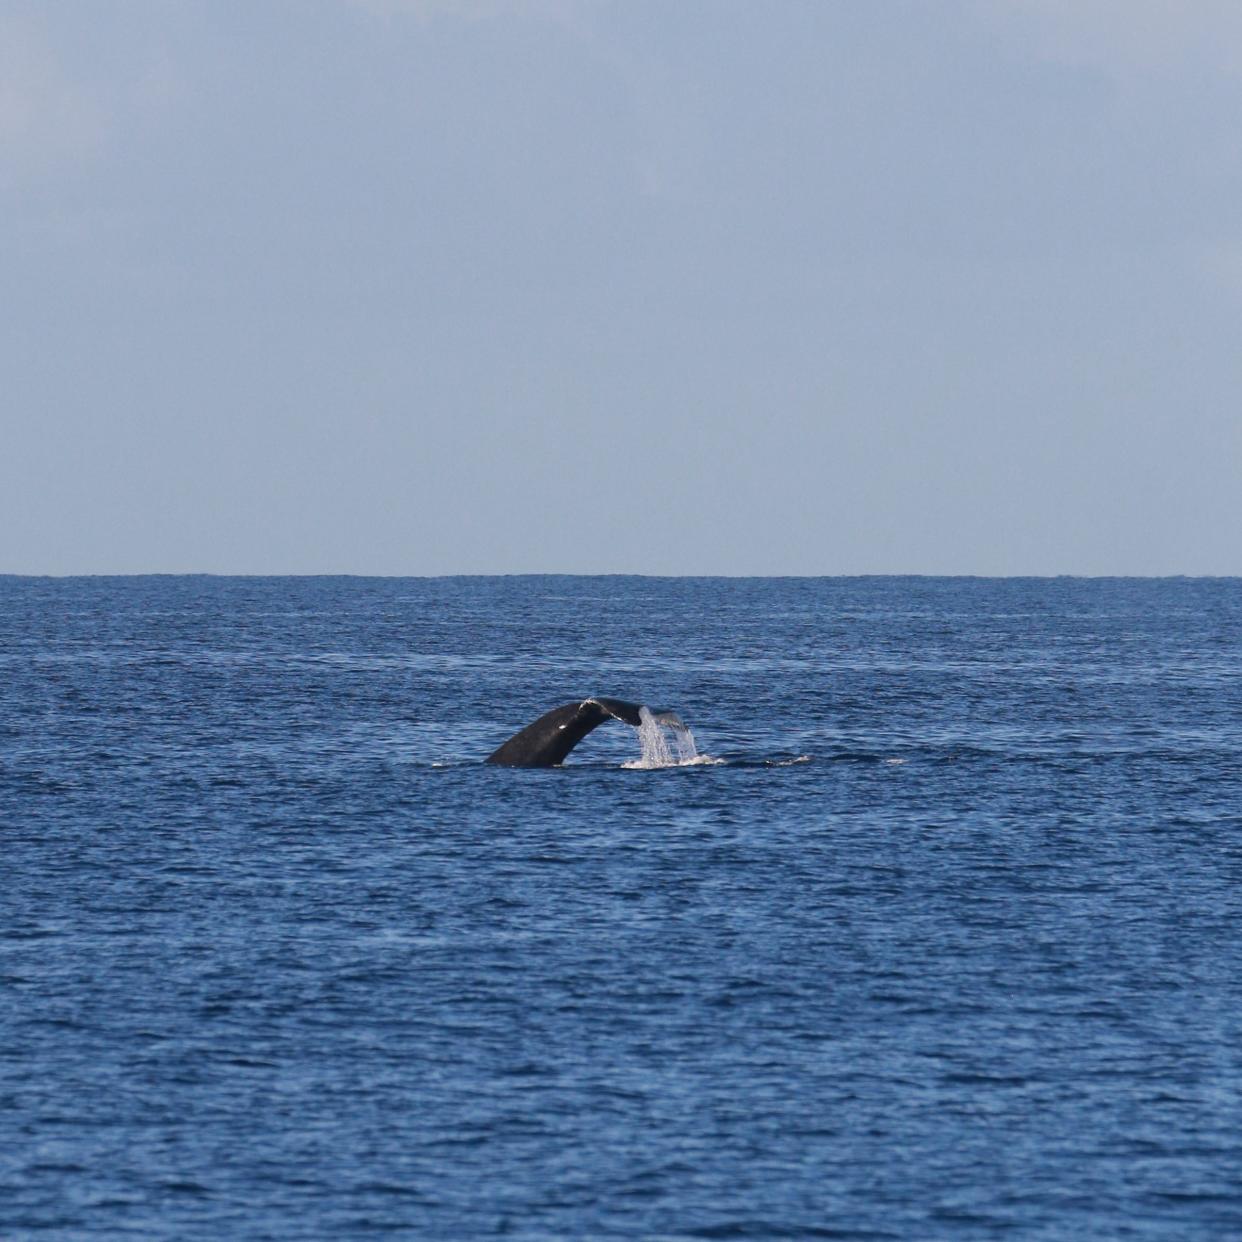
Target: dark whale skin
column 545, row 742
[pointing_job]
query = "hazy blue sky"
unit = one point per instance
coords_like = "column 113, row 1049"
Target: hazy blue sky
column 693, row 286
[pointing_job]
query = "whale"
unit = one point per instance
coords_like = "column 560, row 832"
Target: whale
column 545, row 742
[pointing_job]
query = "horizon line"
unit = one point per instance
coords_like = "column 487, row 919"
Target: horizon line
column 994, row 577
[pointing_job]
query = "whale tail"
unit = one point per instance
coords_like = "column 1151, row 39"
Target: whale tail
column 545, row 742
column 631, row 713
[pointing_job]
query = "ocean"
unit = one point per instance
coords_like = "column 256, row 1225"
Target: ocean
column 941, row 939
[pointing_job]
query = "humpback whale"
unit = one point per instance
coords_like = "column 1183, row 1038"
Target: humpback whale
column 545, row 742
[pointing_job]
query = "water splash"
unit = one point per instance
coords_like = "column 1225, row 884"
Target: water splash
column 656, row 752
column 653, row 737
column 687, row 751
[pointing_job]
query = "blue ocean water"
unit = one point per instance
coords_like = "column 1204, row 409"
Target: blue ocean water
column 947, row 947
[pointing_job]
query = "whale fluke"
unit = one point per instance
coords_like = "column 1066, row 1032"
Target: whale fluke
column 545, row 742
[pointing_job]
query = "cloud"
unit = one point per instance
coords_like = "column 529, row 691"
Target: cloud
column 47, row 119
column 62, row 109
column 1220, row 264
column 475, row 10
column 1124, row 37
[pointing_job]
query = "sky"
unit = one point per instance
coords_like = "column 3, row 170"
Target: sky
column 614, row 286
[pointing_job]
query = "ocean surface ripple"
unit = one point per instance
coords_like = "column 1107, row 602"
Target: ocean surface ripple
column 947, row 945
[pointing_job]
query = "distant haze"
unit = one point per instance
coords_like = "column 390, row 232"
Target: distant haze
column 808, row 287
